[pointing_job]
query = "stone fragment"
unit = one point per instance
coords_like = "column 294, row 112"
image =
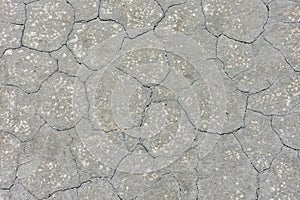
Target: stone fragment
column 10, row 37
column 133, row 14
column 278, row 99
column 247, row 65
column 52, row 167
column 287, row 127
column 241, row 20
column 66, row 61
column 259, row 141
column 18, row 113
column 97, row 189
column 226, row 172
column 55, row 101
column 19, row 192
column 85, row 9
column 12, row 11
column 48, row 24
column 282, row 180
column 86, row 36
column 28, row 69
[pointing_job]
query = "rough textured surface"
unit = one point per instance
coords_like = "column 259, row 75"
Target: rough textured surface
column 283, row 30
column 226, row 172
column 52, row 167
column 259, row 141
column 157, row 99
column 54, row 101
column 132, row 14
column 12, row 11
column 86, row 36
column 240, row 20
column 11, row 155
column 48, row 24
column 85, row 9
column 282, row 180
column 27, row 69
column 18, row 113
column 10, row 36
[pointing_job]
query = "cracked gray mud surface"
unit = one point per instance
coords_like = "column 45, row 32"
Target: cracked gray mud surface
column 158, row 99
column 48, row 24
